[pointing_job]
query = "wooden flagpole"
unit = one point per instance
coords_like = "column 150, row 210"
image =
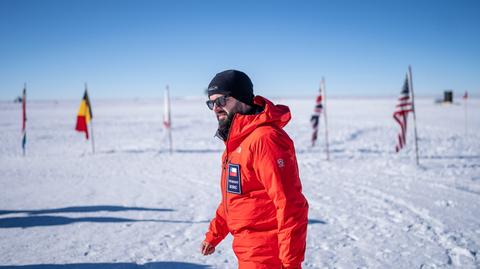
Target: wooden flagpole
column 325, row 117
column 91, row 120
column 414, row 112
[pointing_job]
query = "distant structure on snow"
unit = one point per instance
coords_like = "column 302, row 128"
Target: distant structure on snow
column 447, row 97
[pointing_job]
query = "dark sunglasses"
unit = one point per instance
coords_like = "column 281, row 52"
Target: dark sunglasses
column 220, row 102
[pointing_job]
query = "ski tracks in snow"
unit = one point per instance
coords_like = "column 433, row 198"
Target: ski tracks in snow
column 424, row 226
column 363, row 213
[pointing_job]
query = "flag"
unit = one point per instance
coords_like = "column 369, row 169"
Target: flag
column 400, row 115
column 465, row 96
column 317, row 111
column 24, row 118
column 84, row 115
column 233, row 171
column 167, row 121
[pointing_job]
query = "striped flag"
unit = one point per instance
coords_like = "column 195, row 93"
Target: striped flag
column 317, row 111
column 465, row 96
column 84, row 115
column 24, row 119
column 400, row 115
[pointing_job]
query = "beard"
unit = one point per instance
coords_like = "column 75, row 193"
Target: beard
column 224, row 125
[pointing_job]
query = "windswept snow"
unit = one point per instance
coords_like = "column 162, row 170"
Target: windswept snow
column 133, row 205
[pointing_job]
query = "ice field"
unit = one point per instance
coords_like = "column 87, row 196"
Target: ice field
column 134, row 205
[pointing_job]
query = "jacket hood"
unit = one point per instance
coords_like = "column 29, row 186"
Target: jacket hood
column 243, row 125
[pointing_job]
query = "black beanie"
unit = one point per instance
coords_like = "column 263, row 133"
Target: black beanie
column 233, row 83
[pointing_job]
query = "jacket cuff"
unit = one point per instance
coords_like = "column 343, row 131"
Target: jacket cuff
column 291, row 266
column 213, row 240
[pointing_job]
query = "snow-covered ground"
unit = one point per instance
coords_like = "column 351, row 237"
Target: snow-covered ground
column 133, row 205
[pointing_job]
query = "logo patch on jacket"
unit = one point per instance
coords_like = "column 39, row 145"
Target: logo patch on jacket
column 233, row 179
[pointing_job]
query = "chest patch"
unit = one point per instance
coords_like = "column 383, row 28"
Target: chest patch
column 233, row 179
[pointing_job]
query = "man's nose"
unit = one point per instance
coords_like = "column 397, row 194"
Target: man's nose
column 217, row 108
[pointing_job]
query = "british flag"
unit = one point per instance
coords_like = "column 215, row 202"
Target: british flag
column 400, row 115
column 317, row 111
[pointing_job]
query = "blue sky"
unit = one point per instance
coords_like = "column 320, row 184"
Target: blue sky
column 126, row 49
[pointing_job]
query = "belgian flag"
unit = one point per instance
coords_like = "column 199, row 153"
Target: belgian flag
column 84, row 115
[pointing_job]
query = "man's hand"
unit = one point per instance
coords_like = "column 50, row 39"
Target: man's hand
column 206, row 248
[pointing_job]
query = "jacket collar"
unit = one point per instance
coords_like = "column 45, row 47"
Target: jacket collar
column 244, row 125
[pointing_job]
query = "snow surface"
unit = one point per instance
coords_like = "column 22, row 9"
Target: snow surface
column 133, row 205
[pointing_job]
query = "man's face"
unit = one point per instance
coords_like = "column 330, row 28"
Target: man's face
column 231, row 107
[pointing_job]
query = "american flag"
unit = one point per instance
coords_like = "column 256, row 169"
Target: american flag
column 465, row 96
column 400, row 115
column 317, row 111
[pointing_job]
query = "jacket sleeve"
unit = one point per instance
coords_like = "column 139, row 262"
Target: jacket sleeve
column 218, row 228
column 276, row 167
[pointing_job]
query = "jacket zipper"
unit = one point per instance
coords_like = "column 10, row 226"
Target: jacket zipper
column 224, row 179
column 225, row 173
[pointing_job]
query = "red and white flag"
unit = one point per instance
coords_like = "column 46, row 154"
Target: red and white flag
column 167, row 121
column 233, row 171
column 167, row 118
column 400, row 115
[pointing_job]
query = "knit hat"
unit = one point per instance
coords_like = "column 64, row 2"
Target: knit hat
column 233, row 83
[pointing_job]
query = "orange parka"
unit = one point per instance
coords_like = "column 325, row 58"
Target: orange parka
column 262, row 202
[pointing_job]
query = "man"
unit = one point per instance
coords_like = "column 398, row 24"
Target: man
column 262, row 202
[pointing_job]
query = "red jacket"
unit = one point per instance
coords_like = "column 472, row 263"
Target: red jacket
column 262, row 202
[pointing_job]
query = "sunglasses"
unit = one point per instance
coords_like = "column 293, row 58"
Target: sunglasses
column 220, row 102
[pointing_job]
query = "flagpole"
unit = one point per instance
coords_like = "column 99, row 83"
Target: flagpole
column 167, row 121
column 325, row 117
column 414, row 113
column 91, row 123
column 91, row 131
column 465, row 99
